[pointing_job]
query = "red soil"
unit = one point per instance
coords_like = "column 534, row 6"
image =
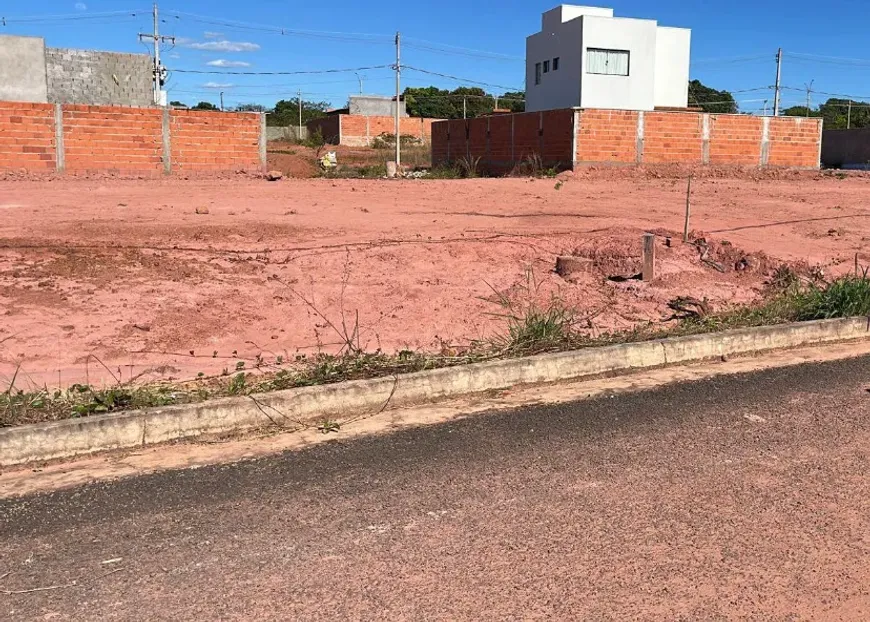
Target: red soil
column 125, row 275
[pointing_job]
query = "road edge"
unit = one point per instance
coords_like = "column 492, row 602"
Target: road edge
column 307, row 406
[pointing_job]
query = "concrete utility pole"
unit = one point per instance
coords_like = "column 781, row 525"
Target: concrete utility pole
column 849, row 116
column 398, row 98
column 299, row 99
column 464, row 109
column 222, row 101
column 359, row 79
column 157, row 39
column 778, row 82
column 809, row 91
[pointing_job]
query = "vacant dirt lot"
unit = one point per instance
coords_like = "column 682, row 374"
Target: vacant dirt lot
column 107, row 278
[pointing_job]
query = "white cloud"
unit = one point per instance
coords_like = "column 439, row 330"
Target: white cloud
column 175, row 55
column 221, row 62
column 225, row 46
column 81, row 6
column 208, row 34
column 217, row 85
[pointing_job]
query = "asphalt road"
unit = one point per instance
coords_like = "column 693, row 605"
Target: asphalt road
column 736, row 497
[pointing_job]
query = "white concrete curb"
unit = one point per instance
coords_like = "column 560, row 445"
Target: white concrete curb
column 64, row 439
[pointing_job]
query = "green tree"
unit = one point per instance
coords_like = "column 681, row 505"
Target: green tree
column 286, row 112
column 711, row 100
column 205, row 106
column 800, row 111
column 515, row 101
column 177, row 104
column 838, row 115
column 430, row 102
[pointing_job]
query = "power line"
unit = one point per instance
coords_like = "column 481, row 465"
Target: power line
column 458, row 79
column 35, row 19
column 730, row 60
column 278, row 73
column 460, row 51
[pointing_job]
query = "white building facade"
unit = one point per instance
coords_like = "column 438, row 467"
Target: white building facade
column 585, row 57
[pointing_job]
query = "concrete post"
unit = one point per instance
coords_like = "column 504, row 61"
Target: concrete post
column 639, row 137
column 59, row 152
column 765, row 142
column 705, row 139
column 263, row 155
column 167, row 143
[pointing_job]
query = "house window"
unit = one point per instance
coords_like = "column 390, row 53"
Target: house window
column 546, row 66
column 556, row 64
column 537, row 73
column 607, row 62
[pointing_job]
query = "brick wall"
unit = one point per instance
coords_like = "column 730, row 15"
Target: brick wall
column 209, row 141
column 360, row 131
column 566, row 138
column 129, row 140
column 330, row 128
column 27, row 138
column 99, row 138
column 607, row 136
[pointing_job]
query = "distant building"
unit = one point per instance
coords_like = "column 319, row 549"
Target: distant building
column 585, row 57
column 374, row 106
column 32, row 72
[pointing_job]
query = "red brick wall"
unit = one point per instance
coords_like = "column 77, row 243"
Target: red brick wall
column 611, row 136
column 125, row 139
column 673, row 137
column 607, row 136
column 795, row 142
column 360, row 131
column 505, row 141
column 735, row 139
column 108, row 138
column 27, row 136
column 330, row 128
column 207, row 141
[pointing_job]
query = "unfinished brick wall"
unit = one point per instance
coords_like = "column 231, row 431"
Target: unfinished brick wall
column 27, row 138
column 361, row 131
column 99, row 138
column 208, row 141
column 76, row 138
column 568, row 138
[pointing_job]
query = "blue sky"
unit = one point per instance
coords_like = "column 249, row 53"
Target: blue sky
column 733, row 44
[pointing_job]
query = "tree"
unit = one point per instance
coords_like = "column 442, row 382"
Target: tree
column 711, row 100
column 286, row 112
column 205, row 106
column 177, row 104
column 250, row 108
column 434, row 103
column 837, row 114
column 800, row 111
column 515, row 101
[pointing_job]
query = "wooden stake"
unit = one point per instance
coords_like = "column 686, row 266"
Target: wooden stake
column 649, row 256
column 688, row 210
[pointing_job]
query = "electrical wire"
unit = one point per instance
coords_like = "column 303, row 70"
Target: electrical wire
column 458, row 79
column 36, row 19
column 278, row 73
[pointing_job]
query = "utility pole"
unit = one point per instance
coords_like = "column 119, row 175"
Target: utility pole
column 778, row 82
column 764, row 110
column 809, row 91
column 157, row 39
column 359, row 79
column 495, row 97
column 464, row 108
column 222, row 101
column 849, row 116
column 299, row 99
column 398, row 96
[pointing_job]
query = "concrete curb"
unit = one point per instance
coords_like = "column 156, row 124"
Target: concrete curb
column 64, row 439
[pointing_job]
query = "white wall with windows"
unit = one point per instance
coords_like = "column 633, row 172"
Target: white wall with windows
column 585, row 57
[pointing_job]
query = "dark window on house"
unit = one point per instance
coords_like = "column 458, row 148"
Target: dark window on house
column 556, row 64
column 537, row 73
column 546, row 66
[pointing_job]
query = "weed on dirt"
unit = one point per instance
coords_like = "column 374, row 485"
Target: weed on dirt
column 530, row 328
